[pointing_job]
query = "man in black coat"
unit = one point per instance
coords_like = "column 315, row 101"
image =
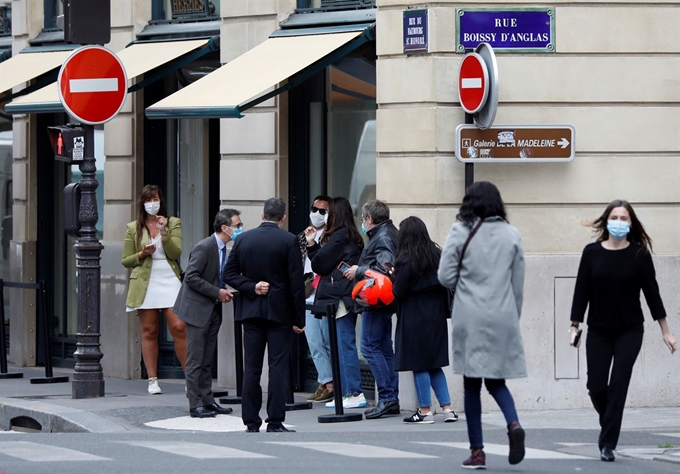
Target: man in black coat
column 265, row 266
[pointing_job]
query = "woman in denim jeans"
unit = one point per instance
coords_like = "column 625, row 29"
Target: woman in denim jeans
column 421, row 343
column 341, row 243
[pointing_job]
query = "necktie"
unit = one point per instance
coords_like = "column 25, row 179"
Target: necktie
column 223, row 262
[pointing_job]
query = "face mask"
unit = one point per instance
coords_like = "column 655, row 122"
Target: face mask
column 618, row 229
column 325, row 218
column 236, row 233
column 152, row 207
column 363, row 229
column 317, row 219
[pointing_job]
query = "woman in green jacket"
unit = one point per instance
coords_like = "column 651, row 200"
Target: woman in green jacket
column 153, row 244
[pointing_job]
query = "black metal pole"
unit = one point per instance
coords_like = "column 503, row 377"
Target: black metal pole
column 44, row 321
column 339, row 415
column 88, row 378
column 469, row 167
column 4, row 374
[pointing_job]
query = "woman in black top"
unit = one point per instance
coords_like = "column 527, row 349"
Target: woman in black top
column 341, row 243
column 421, row 342
column 611, row 274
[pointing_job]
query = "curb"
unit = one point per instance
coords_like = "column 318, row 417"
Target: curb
column 671, row 456
column 50, row 418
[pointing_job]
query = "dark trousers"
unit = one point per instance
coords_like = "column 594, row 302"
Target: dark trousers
column 608, row 392
column 201, row 345
column 259, row 334
column 473, row 406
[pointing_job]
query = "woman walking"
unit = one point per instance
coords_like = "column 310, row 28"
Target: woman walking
column 154, row 282
column 340, row 245
column 421, row 343
column 483, row 260
column 612, row 272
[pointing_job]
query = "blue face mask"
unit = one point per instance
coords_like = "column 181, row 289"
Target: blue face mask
column 618, row 229
column 363, row 229
column 236, row 233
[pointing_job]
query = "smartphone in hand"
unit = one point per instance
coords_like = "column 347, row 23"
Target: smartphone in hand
column 344, row 266
column 577, row 337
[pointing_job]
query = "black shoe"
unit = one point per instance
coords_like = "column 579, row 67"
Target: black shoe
column 220, row 410
column 278, row 428
column 607, row 455
column 383, row 408
column 201, row 412
column 516, row 436
column 253, row 429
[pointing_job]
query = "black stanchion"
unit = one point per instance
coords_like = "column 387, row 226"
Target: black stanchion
column 4, row 373
column 238, row 358
column 48, row 378
column 339, row 416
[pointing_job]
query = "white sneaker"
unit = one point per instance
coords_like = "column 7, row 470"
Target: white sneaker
column 350, row 401
column 154, row 388
column 450, row 416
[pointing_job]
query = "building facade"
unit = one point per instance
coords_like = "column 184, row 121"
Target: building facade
column 363, row 119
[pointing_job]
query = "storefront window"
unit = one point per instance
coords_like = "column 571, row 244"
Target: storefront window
column 53, row 8
column 6, row 201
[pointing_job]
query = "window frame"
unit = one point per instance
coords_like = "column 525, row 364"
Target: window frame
column 6, row 14
column 305, row 6
column 51, row 10
column 158, row 13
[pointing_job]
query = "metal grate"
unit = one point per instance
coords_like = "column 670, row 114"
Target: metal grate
column 69, row 349
column 5, row 21
column 346, row 4
column 184, row 8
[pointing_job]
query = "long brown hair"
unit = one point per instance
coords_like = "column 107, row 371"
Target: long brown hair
column 147, row 193
column 637, row 234
column 340, row 216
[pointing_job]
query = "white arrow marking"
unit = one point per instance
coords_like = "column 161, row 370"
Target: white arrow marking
column 93, row 85
column 471, row 83
column 564, row 143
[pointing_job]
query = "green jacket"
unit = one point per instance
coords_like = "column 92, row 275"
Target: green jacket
column 141, row 270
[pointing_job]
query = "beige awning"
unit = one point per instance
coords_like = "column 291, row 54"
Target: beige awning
column 25, row 67
column 233, row 87
column 137, row 58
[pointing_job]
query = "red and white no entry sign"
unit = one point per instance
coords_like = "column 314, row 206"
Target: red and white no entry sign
column 92, row 85
column 473, row 83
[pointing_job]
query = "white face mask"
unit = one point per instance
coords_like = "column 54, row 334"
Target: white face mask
column 325, row 218
column 152, row 207
column 317, row 219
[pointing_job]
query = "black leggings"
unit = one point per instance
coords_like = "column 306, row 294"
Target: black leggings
column 608, row 392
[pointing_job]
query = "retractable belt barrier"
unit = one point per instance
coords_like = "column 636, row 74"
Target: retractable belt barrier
column 42, row 294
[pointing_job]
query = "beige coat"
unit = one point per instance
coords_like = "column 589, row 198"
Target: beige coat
column 486, row 338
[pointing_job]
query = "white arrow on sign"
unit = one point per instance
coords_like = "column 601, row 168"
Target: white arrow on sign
column 564, row 143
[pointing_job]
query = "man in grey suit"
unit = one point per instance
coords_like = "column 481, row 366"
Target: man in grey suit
column 199, row 305
column 265, row 265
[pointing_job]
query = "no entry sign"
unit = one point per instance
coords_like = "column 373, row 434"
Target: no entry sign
column 92, row 85
column 473, row 83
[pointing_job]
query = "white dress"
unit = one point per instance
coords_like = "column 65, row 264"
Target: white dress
column 163, row 283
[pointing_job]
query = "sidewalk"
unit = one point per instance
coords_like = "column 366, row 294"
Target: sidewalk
column 127, row 407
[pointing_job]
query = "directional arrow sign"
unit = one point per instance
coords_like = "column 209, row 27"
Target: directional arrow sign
column 515, row 143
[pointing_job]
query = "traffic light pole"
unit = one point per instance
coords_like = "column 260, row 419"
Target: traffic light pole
column 88, row 378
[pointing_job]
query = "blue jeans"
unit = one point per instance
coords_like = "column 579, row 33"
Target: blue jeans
column 473, row 406
column 316, row 331
column 437, row 380
column 350, row 373
column 376, row 346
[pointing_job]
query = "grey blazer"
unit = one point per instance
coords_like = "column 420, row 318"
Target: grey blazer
column 200, row 289
column 486, row 338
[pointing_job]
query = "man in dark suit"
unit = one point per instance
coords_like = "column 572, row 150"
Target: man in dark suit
column 199, row 305
column 265, row 265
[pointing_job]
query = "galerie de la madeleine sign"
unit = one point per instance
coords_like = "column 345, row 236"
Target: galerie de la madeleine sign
column 509, row 30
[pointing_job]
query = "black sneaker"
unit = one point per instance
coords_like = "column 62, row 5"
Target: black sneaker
column 516, row 436
column 418, row 417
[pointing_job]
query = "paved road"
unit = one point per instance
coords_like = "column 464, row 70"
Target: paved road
column 420, row 449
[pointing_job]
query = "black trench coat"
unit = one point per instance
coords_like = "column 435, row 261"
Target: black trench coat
column 421, row 341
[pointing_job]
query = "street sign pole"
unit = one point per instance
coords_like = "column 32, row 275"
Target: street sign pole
column 88, row 377
column 469, row 167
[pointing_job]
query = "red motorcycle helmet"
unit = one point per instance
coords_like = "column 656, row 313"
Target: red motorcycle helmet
column 374, row 290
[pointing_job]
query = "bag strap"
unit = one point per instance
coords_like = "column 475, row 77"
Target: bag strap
column 465, row 245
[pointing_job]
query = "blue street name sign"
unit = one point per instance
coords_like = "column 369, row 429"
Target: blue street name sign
column 507, row 30
column 415, row 31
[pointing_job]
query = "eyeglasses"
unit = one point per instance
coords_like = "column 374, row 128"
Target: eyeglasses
column 237, row 226
column 319, row 210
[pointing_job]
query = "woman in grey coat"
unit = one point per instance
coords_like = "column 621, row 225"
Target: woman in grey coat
column 484, row 261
